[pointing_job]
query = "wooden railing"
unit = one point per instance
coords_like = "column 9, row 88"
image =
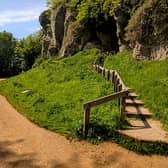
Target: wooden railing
column 121, row 92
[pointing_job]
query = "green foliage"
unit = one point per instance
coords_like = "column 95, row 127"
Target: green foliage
column 31, row 48
column 56, row 90
column 148, row 78
column 7, row 45
column 54, row 93
column 25, row 53
column 87, row 9
column 54, row 3
column 18, row 55
column 93, row 9
column 102, row 132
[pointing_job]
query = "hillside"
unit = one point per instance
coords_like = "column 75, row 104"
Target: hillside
column 148, row 78
column 126, row 36
column 73, row 25
column 52, row 94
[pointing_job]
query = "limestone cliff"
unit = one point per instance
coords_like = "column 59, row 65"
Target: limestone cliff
column 138, row 24
column 147, row 30
column 64, row 35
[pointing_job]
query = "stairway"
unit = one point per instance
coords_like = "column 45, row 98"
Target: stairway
column 134, row 108
column 142, row 126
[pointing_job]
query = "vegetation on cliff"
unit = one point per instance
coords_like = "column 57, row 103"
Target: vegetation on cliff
column 138, row 24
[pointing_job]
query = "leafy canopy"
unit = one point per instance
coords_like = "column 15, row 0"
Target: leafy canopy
column 86, row 9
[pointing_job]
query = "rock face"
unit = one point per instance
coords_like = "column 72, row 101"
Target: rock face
column 57, row 29
column 140, row 25
column 64, row 35
column 147, row 31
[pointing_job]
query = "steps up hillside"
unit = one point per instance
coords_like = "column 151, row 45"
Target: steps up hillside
column 142, row 126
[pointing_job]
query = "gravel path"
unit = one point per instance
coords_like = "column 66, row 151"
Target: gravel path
column 25, row 145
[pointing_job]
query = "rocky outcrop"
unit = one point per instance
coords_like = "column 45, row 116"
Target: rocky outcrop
column 140, row 25
column 57, row 29
column 147, row 31
column 65, row 36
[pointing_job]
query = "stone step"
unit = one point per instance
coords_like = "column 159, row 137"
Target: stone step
column 146, row 130
column 132, row 95
column 134, row 102
column 132, row 111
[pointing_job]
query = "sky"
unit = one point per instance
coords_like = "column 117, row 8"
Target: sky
column 20, row 17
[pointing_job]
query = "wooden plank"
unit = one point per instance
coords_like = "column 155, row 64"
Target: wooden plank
column 95, row 67
column 106, row 99
column 121, row 82
column 113, row 75
column 108, row 75
column 99, row 69
column 86, row 121
column 117, row 83
column 103, row 72
column 122, row 109
column 132, row 111
column 134, row 102
column 132, row 95
column 119, row 88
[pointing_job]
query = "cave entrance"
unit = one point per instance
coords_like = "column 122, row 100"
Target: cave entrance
column 104, row 33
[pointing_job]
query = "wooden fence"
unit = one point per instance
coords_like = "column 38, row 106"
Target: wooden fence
column 120, row 93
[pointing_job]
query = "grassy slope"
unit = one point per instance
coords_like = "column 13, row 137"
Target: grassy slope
column 148, row 78
column 58, row 89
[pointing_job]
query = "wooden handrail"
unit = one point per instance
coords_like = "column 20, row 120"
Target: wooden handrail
column 105, row 99
column 121, row 92
column 87, row 106
column 109, row 71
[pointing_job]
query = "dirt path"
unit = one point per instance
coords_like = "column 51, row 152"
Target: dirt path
column 25, row 145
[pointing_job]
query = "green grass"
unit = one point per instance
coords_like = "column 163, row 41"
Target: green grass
column 148, row 78
column 58, row 90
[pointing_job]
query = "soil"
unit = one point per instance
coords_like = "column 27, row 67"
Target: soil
column 25, row 145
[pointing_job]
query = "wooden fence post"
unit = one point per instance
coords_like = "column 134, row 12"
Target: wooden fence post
column 108, row 75
column 96, row 68
column 116, row 83
column 86, row 120
column 119, row 88
column 103, row 72
column 113, row 76
column 122, row 109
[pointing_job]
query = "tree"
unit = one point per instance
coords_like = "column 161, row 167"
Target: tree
column 17, row 55
column 7, row 45
column 25, row 53
column 33, row 49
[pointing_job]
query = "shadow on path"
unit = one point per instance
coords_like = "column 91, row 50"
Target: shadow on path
column 11, row 159
column 98, row 133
